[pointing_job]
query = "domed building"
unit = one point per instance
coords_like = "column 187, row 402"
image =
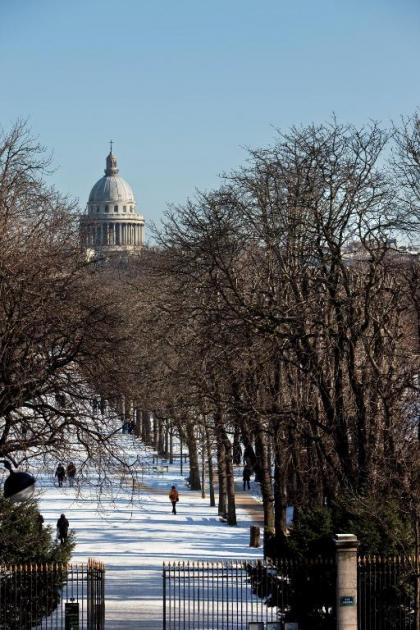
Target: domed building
column 111, row 224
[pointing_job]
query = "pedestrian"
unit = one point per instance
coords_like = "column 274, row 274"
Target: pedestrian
column 40, row 521
column 71, row 473
column 174, row 498
column 60, row 473
column 62, row 529
column 246, row 476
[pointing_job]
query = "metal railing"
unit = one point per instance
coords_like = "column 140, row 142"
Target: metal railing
column 388, row 593
column 52, row 596
column 234, row 595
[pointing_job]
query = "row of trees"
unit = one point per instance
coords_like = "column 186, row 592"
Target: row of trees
column 58, row 321
column 277, row 314
column 274, row 318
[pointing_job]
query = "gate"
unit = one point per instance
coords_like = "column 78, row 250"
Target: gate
column 388, row 593
column 235, row 595
column 52, row 596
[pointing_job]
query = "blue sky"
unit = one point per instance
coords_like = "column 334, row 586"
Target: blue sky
column 182, row 87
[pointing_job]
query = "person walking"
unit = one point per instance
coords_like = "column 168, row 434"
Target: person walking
column 40, row 521
column 71, row 473
column 174, row 498
column 60, row 473
column 62, row 529
column 246, row 476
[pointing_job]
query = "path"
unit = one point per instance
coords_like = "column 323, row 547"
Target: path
column 134, row 539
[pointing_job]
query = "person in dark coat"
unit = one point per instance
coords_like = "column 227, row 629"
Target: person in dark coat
column 62, row 529
column 174, row 498
column 246, row 476
column 71, row 473
column 40, row 521
column 60, row 473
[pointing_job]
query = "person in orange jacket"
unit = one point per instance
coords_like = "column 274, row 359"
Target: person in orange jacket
column 174, row 498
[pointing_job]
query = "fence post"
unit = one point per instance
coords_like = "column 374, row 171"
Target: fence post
column 164, row 596
column 346, row 558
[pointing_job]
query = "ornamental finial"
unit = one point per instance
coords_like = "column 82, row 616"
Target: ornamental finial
column 111, row 162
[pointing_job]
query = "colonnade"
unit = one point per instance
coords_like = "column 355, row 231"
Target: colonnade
column 115, row 233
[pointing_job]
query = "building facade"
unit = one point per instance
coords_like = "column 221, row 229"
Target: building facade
column 111, row 223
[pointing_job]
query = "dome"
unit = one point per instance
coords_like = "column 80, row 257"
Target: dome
column 111, row 223
column 111, row 188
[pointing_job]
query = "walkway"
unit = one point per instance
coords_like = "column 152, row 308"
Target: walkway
column 135, row 535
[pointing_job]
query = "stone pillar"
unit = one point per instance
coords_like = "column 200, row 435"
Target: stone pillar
column 346, row 559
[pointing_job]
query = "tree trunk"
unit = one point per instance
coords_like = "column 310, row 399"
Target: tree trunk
column 138, row 423
column 237, row 451
column 280, row 499
column 203, row 465
column 195, row 483
column 210, row 469
column 171, row 445
column 155, row 434
column 161, row 439
column 228, row 465
column 265, row 480
column 147, row 428
column 221, row 471
column 166, row 441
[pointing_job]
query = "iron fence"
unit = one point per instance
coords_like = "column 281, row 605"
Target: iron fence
column 388, row 593
column 235, row 595
column 52, row 596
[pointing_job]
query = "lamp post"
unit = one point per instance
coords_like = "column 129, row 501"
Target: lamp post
column 19, row 486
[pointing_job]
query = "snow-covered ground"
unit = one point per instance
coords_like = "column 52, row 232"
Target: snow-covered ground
column 133, row 534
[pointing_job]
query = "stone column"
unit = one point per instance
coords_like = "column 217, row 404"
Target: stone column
column 346, row 558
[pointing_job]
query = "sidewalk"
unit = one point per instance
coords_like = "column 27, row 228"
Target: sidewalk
column 134, row 535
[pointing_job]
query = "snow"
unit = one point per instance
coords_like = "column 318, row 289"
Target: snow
column 134, row 533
